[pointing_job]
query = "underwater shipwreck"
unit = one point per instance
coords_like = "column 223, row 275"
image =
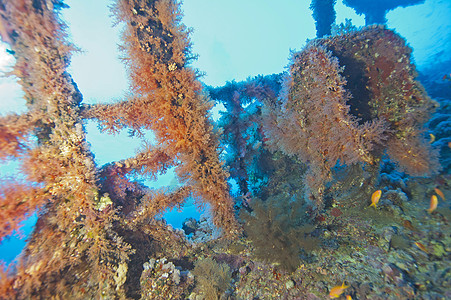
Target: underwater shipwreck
column 342, row 166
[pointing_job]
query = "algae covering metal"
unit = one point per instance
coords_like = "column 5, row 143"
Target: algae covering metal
column 307, row 152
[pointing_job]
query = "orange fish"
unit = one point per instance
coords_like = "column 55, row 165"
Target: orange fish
column 433, row 205
column 440, row 193
column 421, row 246
column 432, row 138
column 348, row 297
column 336, row 291
column 375, row 198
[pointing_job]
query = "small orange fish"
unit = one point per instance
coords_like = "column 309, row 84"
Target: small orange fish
column 348, row 297
column 440, row 193
column 421, row 246
column 432, row 138
column 449, row 144
column 336, row 291
column 433, row 205
column 375, row 198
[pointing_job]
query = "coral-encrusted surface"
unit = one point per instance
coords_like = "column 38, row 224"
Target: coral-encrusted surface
column 382, row 81
column 307, row 153
column 350, row 99
column 371, row 250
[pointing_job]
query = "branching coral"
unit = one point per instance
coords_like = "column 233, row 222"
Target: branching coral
column 71, row 232
column 169, row 100
column 212, row 278
column 279, row 232
column 78, row 240
column 242, row 133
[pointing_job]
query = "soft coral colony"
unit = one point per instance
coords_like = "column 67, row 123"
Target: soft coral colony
column 355, row 112
column 94, row 221
column 78, row 226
